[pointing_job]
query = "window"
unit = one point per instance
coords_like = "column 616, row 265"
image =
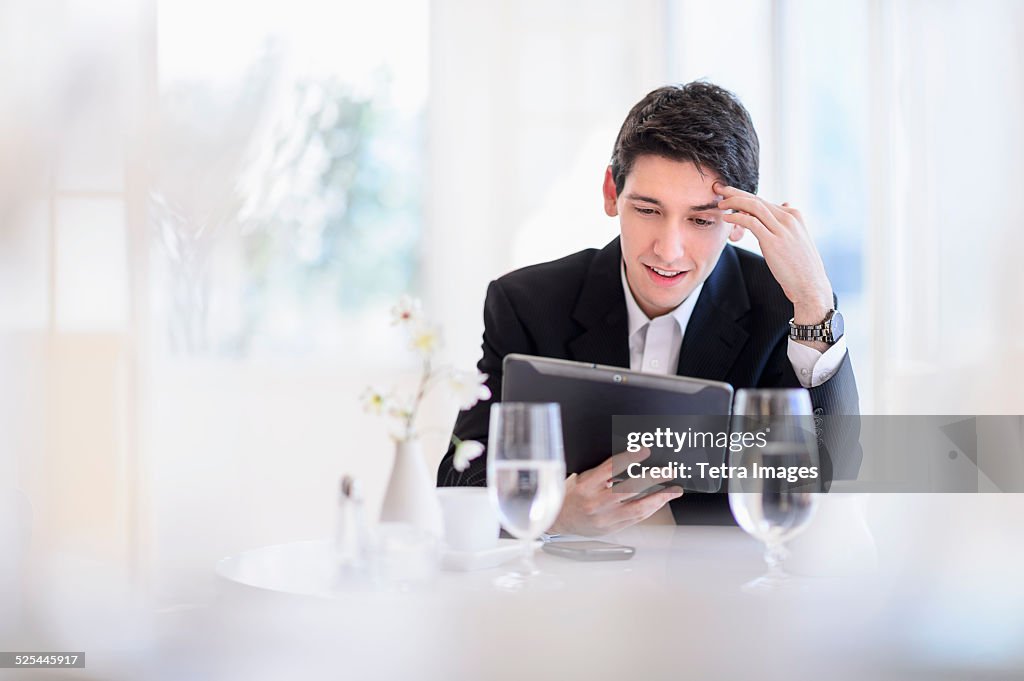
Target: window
column 286, row 195
column 807, row 90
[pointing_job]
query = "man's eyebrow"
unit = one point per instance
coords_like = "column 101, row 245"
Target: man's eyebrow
column 647, row 199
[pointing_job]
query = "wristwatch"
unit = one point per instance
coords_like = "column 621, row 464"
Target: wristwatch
column 828, row 330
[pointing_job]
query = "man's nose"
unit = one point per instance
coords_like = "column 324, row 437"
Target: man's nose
column 669, row 246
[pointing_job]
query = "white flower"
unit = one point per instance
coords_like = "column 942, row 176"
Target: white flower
column 374, row 401
column 406, row 311
column 399, row 406
column 466, row 451
column 469, row 387
column 425, row 339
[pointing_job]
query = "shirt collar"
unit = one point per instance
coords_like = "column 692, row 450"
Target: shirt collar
column 638, row 320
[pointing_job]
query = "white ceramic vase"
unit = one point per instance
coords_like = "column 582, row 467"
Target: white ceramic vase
column 411, row 496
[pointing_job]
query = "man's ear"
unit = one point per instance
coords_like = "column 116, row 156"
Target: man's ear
column 736, row 233
column 611, row 208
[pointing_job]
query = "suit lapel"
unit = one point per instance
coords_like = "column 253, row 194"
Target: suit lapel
column 714, row 336
column 601, row 311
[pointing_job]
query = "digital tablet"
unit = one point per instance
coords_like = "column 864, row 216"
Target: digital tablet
column 590, row 396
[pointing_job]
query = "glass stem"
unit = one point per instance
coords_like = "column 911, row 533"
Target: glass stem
column 775, row 554
column 529, row 565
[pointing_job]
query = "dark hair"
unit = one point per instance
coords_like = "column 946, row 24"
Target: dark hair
column 698, row 122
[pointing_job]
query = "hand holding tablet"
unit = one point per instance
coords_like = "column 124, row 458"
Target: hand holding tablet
column 589, row 396
column 594, row 506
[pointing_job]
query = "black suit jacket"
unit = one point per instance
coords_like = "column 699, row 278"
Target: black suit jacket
column 574, row 308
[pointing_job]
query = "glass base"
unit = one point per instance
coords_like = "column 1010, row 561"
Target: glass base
column 525, row 576
column 773, row 581
column 517, row 582
column 776, row 580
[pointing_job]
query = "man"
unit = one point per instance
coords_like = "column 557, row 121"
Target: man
column 670, row 296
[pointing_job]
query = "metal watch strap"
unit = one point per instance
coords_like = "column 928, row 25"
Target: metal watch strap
column 812, row 332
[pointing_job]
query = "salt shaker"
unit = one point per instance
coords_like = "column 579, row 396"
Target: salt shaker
column 350, row 533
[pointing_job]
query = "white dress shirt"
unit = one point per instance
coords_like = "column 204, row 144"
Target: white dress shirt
column 654, row 346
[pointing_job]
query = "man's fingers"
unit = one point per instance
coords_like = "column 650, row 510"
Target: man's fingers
column 752, row 205
column 612, row 497
column 594, row 496
column 632, row 486
column 640, row 509
column 794, row 212
column 600, row 475
column 729, row 191
column 631, row 512
column 621, row 461
column 787, row 217
column 750, row 222
column 737, row 199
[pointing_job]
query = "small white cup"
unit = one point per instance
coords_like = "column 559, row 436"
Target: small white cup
column 470, row 522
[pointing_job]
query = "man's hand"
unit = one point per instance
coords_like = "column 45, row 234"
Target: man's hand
column 593, row 507
column 788, row 250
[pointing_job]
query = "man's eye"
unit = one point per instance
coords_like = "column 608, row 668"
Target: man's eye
column 703, row 223
column 645, row 211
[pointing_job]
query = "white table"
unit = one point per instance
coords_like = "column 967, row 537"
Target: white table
column 706, row 554
column 949, row 601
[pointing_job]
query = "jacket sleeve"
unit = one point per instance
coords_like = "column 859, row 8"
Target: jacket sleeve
column 504, row 334
column 835, row 404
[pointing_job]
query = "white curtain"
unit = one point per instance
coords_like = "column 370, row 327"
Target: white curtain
column 945, row 239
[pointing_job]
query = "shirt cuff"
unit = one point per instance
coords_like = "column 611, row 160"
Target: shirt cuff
column 812, row 367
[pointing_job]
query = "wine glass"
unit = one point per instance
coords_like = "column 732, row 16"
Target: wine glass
column 775, row 502
column 525, row 474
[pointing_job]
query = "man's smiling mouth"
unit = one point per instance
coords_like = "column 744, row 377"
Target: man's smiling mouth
column 668, row 274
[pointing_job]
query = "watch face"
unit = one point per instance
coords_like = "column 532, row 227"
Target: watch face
column 837, row 326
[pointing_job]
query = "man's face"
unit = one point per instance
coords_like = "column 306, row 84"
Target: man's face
column 672, row 229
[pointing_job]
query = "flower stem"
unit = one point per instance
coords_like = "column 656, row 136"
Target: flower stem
column 420, row 392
